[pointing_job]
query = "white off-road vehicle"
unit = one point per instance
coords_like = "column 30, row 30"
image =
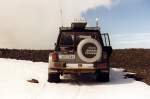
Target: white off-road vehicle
column 80, row 49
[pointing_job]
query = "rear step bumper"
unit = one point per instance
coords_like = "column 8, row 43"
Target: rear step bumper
column 59, row 67
column 74, row 70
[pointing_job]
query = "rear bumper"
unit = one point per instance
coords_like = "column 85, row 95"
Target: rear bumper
column 77, row 68
column 72, row 70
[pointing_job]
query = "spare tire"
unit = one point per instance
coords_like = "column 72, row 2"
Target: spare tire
column 89, row 50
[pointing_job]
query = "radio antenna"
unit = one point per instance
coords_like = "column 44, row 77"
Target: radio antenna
column 97, row 22
column 61, row 17
column 61, row 13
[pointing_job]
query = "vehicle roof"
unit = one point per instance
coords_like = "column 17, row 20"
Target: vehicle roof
column 96, row 29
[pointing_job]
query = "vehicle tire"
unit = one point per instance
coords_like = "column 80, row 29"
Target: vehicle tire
column 102, row 76
column 89, row 50
column 54, row 78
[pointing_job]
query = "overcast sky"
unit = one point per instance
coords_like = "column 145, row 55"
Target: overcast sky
column 33, row 24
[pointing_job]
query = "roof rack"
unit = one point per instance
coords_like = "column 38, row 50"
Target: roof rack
column 86, row 28
column 78, row 25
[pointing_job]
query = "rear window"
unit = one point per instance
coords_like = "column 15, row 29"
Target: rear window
column 67, row 39
column 70, row 40
column 82, row 36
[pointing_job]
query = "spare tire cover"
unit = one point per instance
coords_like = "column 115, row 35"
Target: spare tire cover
column 89, row 50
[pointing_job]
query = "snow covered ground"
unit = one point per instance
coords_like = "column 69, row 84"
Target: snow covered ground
column 15, row 73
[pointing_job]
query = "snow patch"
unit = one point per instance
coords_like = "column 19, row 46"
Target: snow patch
column 15, row 73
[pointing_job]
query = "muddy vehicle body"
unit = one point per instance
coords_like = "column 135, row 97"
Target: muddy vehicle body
column 80, row 49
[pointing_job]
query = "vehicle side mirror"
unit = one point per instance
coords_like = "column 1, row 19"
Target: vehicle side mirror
column 55, row 44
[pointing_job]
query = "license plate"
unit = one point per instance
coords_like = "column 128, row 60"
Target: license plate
column 66, row 56
column 83, row 66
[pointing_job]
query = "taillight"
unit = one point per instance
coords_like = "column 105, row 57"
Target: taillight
column 102, row 65
column 54, row 57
